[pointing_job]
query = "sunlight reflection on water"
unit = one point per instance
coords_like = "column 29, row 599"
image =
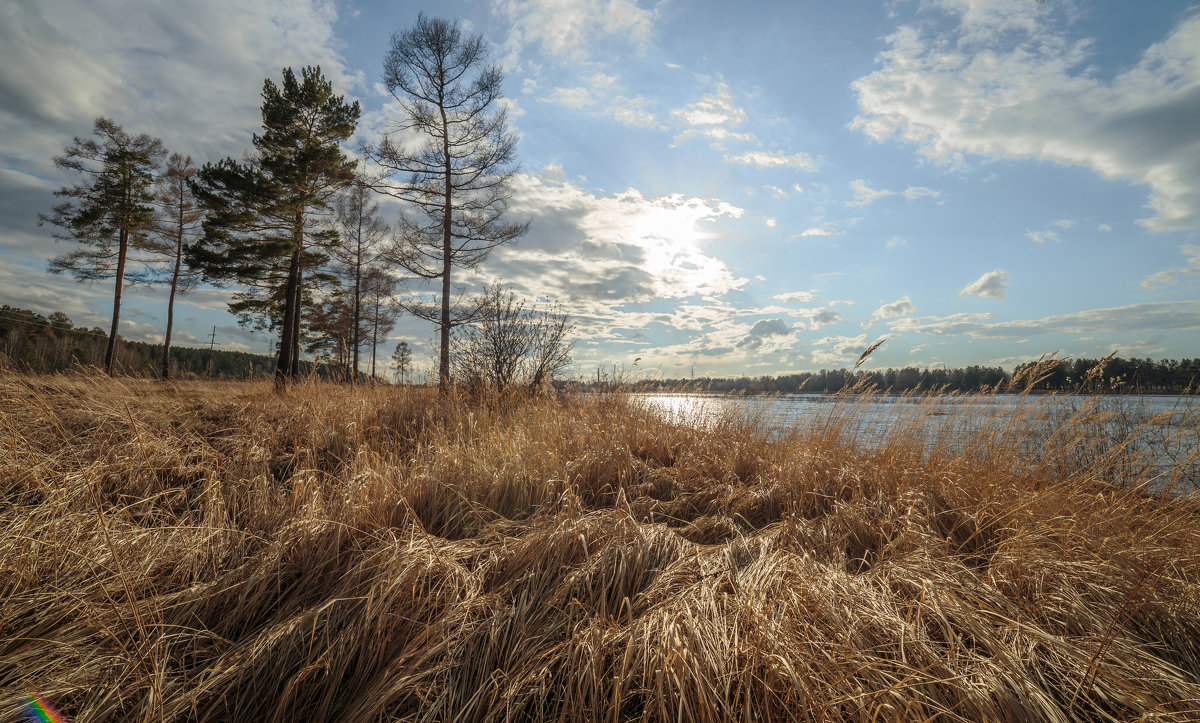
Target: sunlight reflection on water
column 880, row 413
column 1162, row 432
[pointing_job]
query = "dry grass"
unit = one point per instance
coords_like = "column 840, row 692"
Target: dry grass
column 215, row 552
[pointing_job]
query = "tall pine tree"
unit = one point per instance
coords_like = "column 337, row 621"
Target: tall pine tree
column 266, row 226
column 108, row 213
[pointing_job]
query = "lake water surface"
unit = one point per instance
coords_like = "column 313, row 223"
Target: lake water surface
column 1154, row 435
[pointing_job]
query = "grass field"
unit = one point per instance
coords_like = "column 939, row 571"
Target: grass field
column 214, row 551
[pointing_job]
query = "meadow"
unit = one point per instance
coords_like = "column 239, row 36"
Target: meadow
column 204, row 551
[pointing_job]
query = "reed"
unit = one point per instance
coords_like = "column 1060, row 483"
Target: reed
column 215, row 551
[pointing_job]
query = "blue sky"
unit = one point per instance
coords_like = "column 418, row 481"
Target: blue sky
column 749, row 188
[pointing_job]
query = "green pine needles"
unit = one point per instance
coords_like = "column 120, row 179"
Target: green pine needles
column 266, row 229
column 109, row 211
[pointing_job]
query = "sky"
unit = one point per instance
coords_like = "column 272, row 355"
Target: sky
column 715, row 188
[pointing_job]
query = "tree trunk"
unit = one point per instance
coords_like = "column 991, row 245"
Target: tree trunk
column 297, row 301
column 166, row 365
column 375, row 336
column 297, row 296
column 283, row 364
column 358, row 252
column 116, row 316
column 447, row 249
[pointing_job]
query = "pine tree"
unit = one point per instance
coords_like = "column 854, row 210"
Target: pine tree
column 110, row 213
column 402, row 361
column 265, row 229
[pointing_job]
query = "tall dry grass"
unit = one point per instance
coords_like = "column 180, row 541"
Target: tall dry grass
column 216, row 552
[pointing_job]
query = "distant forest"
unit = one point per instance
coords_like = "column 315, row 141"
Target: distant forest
column 31, row 342
column 49, row 344
column 1113, row 375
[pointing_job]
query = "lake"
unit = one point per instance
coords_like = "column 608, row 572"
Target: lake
column 1154, row 436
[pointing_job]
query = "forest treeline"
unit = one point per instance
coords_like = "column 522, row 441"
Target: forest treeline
column 49, row 344
column 1112, row 375
column 30, row 342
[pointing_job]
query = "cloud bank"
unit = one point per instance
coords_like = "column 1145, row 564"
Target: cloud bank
column 1007, row 83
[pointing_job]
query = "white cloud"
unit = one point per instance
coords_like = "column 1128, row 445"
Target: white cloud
column 191, row 76
column 1063, row 223
column 1170, row 277
column 567, row 28
column 716, row 116
column 602, row 252
column 818, row 231
column 915, row 192
column 1144, row 348
column 719, row 135
column 714, row 109
column 838, row 349
column 1041, row 236
column 901, row 306
column 1134, row 318
column 896, row 309
column 896, row 242
column 577, row 98
column 604, row 80
column 631, row 111
column 1105, row 228
column 803, row 297
column 813, row 319
column 773, row 159
column 773, row 191
column 1008, row 83
column 511, row 107
column 952, row 325
column 90, row 304
column 33, row 289
column 602, row 98
column 864, row 194
column 762, row 331
column 770, row 222
column 989, row 286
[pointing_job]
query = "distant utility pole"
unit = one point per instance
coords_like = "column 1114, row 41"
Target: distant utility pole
column 211, row 343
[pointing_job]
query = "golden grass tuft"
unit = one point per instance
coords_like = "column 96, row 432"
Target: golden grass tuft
column 214, row 551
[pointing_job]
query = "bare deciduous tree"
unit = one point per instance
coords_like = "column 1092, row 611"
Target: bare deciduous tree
column 362, row 232
column 457, row 175
column 176, row 224
column 551, row 349
column 379, row 309
column 510, row 343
